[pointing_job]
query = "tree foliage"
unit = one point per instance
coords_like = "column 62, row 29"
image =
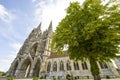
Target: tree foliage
column 2, row 73
column 89, row 31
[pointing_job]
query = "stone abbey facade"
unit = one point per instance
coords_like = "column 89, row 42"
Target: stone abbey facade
column 35, row 59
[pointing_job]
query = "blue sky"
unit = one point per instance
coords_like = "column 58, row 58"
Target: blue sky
column 19, row 17
column 15, row 20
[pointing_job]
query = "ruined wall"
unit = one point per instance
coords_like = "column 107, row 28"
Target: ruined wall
column 31, row 57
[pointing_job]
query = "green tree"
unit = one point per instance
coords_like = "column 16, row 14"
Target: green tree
column 2, row 73
column 90, row 31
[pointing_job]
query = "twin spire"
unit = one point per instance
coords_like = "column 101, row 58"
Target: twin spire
column 49, row 28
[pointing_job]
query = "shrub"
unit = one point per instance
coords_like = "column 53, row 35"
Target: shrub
column 54, row 78
column 107, row 77
column 10, row 78
column 58, row 77
column 35, row 78
column 69, row 78
column 3, row 74
column 41, row 77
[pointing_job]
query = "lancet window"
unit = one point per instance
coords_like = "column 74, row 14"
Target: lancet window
column 61, row 66
column 103, row 65
column 76, row 66
column 55, row 66
column 84, row 66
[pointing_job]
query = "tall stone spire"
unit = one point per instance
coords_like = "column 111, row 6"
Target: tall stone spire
column 39, row 26
column 50, row 31
column 50, row 26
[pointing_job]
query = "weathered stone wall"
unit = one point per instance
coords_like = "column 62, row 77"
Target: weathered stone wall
column 31, row 57
column 110, row 70
column 32, row 60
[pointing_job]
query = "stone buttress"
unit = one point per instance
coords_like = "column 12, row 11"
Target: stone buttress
column 31, row 58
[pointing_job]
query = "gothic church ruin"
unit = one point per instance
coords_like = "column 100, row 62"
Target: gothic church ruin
column 35, row 59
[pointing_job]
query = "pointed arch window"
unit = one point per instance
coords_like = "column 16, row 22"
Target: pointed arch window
column 103, row 65
column 76, row 66
column 33, row 50
column 55, row 66
column 68, row 65
column 84, row 66
column 61, row 66
column 49, row 67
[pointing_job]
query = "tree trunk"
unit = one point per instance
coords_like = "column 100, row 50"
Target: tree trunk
column 97, row 77
column 94, row 69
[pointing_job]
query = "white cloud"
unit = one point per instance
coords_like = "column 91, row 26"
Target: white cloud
column 47, row 10
column 5, row 15
column 33, row 0
column 6, row 21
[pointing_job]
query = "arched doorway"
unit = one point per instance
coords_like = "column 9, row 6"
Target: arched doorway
column 36, row 68
column 25, row 68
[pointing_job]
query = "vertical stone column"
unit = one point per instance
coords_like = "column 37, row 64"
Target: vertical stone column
column 117, row 62
column 52, row 65
column 72, row 66
column 58, row 65
column 42, row 71
column 31, row 71
column 88, row 65
column 18, row 70
column 89, row 70
column 80, row 66
column 65, row 68
column 99, row 67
